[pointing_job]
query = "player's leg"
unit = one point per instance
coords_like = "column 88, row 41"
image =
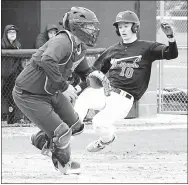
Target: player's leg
column 89, row 99
column 117, row 107
column 69, row 116
column 39, row 110
column 67, row 113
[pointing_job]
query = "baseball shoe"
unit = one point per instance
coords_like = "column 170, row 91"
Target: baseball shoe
column 41, row 145
column 98, row 145
column 38, row 140
column 72, row 167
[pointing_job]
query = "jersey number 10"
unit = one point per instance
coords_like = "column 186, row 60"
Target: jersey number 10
column 127, row 72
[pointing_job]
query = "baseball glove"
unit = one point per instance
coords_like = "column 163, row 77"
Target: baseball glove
column 97, row 80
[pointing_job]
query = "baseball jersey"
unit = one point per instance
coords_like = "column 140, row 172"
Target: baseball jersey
column 128, row 66
column 52, row 64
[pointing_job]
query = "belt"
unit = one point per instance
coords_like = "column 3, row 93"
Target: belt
column 123, row 93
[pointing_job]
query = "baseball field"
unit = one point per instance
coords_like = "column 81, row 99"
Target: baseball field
column 139, row 155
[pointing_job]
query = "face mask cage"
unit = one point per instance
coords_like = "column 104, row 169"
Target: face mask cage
column 88, row 35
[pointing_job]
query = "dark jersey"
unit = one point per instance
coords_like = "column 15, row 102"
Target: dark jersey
column 52, row 65
column 128, row 66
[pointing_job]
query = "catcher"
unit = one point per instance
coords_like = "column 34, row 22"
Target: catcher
column 128, row 67
column 43, row 94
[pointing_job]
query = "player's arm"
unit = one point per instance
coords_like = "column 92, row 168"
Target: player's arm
column 103, row 62
column 92, row 74
column 55, row 52
column 161, row 51
column 83, row 70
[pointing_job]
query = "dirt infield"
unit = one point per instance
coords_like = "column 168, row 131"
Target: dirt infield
column 22, row 163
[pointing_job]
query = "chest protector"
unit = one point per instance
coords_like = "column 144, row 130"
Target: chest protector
column 69, row 64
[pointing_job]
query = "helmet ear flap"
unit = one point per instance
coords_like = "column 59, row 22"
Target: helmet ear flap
column 135, row 28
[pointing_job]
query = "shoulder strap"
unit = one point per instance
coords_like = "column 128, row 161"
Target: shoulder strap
column 72, row 40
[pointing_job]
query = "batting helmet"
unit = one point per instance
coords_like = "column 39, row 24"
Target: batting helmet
column 130, row 17
column 75, row 21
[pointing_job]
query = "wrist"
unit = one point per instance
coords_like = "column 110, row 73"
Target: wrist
column 171, row 39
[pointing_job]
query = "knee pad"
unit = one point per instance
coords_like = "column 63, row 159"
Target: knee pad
column 60, row 146
column 39, row 139
column 77, row 128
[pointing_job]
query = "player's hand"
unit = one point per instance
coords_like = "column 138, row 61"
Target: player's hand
column 71, row 94
column 167, row 29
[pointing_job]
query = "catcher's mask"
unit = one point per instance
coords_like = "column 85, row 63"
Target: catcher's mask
column 130, row 17
column 82, row 22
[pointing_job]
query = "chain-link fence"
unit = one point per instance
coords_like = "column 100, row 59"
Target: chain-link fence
column 12, row 63
column 172, row 83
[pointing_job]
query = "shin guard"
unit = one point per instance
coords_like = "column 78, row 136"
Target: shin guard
column 60, row 146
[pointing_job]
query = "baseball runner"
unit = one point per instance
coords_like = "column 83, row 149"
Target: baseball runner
column 128, row 67
column 43, row 94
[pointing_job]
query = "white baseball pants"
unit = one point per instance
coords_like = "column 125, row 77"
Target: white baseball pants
column 111, row 109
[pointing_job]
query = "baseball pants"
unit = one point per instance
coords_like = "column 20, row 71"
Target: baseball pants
column 111, row 108
column 47, row 112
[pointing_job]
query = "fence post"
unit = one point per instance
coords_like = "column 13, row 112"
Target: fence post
column 161, row 63
column 147, row 105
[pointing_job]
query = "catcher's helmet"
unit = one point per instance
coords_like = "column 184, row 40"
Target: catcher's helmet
column 75, row 21
column 127, row 16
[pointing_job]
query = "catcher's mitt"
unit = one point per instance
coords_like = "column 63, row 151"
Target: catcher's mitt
column 97, row 79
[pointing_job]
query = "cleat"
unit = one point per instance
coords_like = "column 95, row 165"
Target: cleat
column 71, row 167
column 42, row 145
column 98, row 145
column 95, row 146
column 38, row 140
